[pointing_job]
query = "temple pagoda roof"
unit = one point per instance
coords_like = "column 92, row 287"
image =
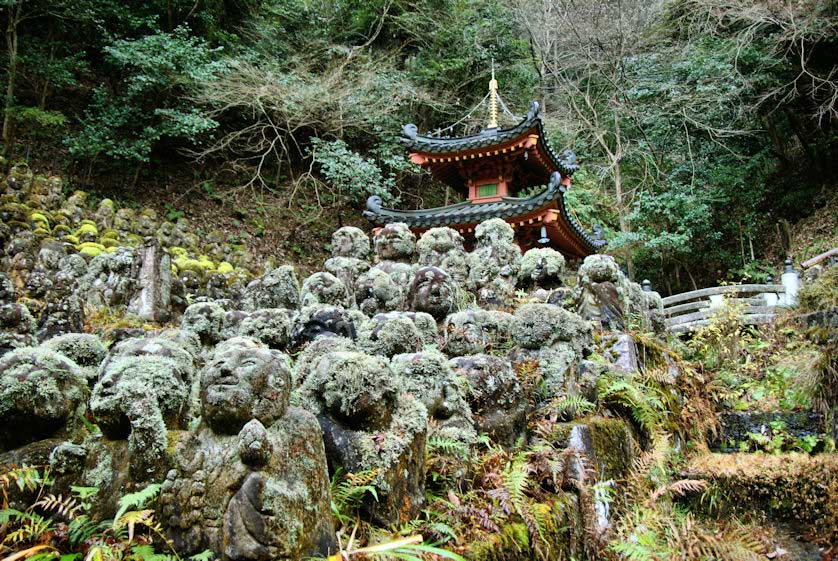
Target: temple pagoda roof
column 445, row 155
column 466, row 215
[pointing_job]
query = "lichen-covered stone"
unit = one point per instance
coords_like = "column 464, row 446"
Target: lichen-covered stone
column 107, row 281
column 390, row 334
column 599, row 268
column 127, row 378
column 323, row 321
column 7, row 290
column 350, row 241
column 394, row 242
column 542, row 325
column 17, row 327
column 271, row 326
column 306, row 362
column 41, row 393
column 443, row 248
column 206, row 319
column 369, row 424
column 428, row 376
column 152, row 299
column 494, row 263
column 252, row 482
column 495, row 397
column 541, row 267
column 278, row 288
column 324, row 288
column 348, row 270
column 84, row 349
column 475, row 331
column 376, row 291
column 434, row 292
column 63, row 314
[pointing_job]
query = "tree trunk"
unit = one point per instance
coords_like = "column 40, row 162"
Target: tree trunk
column 11, row 45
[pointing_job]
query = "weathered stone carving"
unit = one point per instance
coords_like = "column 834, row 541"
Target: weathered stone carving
column 251, row 482
column 496, row 397
column 494, row 263
column 278, row 288
column 369, row 424
column 443, row 248
column 434, row 292
column 42, row 395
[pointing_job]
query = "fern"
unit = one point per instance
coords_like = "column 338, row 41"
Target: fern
column 64, row 506
column 136, row 500
column 348, row 492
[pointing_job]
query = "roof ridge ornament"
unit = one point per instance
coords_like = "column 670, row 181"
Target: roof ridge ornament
column 493, row 99
column 410, row 131
column 535, row 107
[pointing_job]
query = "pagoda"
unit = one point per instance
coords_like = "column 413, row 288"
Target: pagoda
column 488, row 167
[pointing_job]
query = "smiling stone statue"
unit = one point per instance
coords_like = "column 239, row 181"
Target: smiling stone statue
column 251, row 483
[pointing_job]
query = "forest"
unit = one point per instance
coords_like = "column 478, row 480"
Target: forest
column 705, row 128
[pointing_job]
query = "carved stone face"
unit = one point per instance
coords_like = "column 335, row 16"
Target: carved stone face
column 542, row 267
column 350, row 242
column 243, row 382
column 326, row 321
column 394, row 242
column 433, row 291
column 129, row 378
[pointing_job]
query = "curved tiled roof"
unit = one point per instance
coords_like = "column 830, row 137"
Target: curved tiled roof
column 565, row 162
column 470, row 213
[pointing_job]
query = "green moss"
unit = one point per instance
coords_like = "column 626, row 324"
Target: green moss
column 87, row 228
column 90, row 248
column 112, row 234
column 40, row 219
column 109, row 243
column 614, row 446
column 41, row 233
column 224, row 268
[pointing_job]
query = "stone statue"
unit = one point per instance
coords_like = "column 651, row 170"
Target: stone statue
column 251, row 483
column 433, row 291
column 368, row 423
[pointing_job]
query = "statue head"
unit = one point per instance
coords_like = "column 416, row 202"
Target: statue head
column 350, row 242
column 394, row 242
column 40, row 392
column 244, row 380
column 433, row 291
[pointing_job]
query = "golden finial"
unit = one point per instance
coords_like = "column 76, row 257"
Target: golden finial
column 493, row 99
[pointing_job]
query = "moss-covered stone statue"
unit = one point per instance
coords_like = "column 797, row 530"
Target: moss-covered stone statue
column 397, row 332
column 476, row 331
column 494, row 263
column 553, row 338
column 251, row 483
column 495, row 395
column 43, row 395
column 443, row 248
column 434, row 292
column 369, row 423
column 278, row 288
column 428, row 376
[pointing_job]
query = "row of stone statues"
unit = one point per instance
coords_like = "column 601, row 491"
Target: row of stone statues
column 246, row 408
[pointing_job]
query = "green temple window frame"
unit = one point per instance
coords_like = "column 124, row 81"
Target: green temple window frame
column 487, row 190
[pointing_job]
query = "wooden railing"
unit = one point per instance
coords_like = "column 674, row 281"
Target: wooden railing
column 689, row 310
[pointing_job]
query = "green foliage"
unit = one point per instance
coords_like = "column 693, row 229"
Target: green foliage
column 348, row 492
column 158, row 71
column 353, row 176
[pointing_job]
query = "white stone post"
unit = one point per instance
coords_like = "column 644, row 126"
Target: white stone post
column 791, row 282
